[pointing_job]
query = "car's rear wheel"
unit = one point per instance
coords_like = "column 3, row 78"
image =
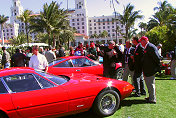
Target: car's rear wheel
column 3, row 115
column 119, row 74
column 106, row 103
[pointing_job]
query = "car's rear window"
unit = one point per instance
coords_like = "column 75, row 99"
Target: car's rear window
column 59, row 80
column 56, row 61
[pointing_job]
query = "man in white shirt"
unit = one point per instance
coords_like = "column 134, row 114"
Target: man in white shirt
column 121, row 47
column 38, row 61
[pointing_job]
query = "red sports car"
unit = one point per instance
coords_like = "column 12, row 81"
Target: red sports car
column 79, row 64
column 26, row 92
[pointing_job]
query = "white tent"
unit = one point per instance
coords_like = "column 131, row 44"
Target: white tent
column 33, row 44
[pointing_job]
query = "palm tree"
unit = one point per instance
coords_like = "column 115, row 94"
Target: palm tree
column 128, row 18
column 51, row 20
column 104, row 34
column 143, row 26
column 163, row 6
column 3, row 20
column 160, row 18
column 25, row 17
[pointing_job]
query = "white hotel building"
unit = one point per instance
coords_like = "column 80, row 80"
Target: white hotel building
column 85, row 26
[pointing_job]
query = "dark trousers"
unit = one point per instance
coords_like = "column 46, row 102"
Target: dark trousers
column 109, row 72
column 139, row 83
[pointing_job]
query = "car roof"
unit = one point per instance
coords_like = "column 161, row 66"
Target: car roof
column 73, row 57
column 15, row 70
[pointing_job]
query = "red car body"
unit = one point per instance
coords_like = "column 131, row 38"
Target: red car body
column 71, row 66
column 77, row 94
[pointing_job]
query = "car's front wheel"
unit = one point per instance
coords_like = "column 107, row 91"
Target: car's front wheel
column 106, row 103
column 119, row 74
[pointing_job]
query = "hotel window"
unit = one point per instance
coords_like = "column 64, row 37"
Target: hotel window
column 94, row 27
column 112, row 26
column 108, row 30
column 100, row 32
column 90, row 24
column 94, row 24
column 98, row 23
column 73, row 24
column 78, row 27
column 77, row 23
column 103, row 23
column 82, row 19
column 7, row 30
column 95, row 32
column 94, row 20
column 90, row 21
column 90, row 28
column 108, row 27
column 103, row 20
column 78, row 19
column 99, row 27
column 11, row 33
column 98, row 20
column 82, row 27
column 83, row 31
column 82, row 23
column 73, row 20
column 103, row 27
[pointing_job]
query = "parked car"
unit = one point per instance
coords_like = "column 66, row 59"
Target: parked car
column 26, row 92
column 80, row 64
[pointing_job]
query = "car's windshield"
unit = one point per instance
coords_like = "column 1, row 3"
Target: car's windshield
column 56, row 61
column 56, row 79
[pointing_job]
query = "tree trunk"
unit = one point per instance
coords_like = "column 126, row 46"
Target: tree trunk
column 27, row 34
column 2, row 35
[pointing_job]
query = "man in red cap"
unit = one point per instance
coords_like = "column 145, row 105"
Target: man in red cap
column 150, row 65
column 93, row 52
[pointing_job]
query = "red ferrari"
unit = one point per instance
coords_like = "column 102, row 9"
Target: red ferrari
column 80, row 64
column 27, row 93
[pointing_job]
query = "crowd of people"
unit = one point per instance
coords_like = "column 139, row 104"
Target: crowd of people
column 140, row 59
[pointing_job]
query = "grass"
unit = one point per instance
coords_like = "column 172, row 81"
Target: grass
column 136, row 107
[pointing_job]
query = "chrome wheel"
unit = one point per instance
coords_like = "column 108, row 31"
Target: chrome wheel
column 108, row 103
column 119, row 73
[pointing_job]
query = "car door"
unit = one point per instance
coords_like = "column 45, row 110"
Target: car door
column 6, row 101
column 32, row 98
column 84, row 65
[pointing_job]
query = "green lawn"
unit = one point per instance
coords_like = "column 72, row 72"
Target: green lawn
column 136, row 107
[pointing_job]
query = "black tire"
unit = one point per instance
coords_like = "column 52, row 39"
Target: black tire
column 3, row 115
column 106, row 103
column 119, row 74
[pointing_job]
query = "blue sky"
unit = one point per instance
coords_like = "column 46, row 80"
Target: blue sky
column 95, row 7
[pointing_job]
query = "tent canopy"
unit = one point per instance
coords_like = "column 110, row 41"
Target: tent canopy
column 33, row 44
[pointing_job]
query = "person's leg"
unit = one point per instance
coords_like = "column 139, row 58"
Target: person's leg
column 126, row 73
column 150, row 82
column 173, row 69
column 142, row 85
column 136, row 80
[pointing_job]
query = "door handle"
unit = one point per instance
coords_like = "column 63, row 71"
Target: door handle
column 78, row 70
